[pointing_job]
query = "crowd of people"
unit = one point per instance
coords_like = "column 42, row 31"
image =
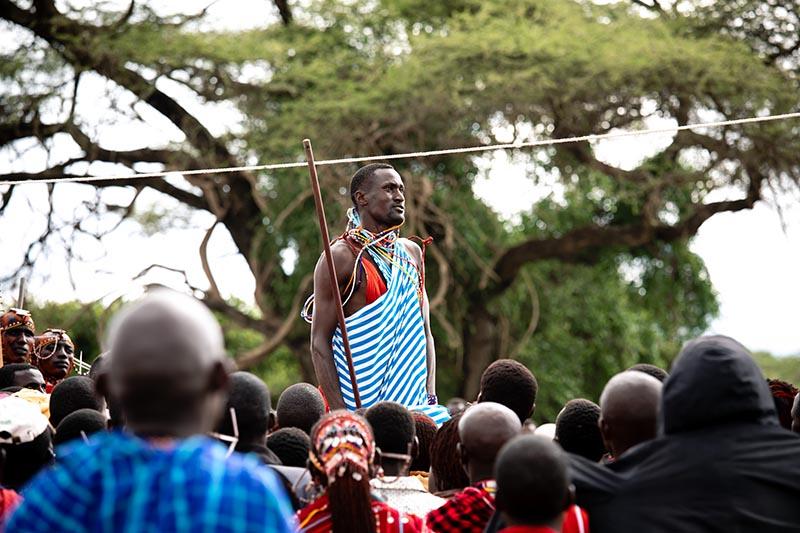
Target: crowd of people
column 162, row 434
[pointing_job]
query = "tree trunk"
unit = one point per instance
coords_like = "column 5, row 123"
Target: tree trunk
column 480, row 349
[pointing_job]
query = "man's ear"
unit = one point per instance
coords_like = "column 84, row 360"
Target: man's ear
column 533, row 409
column 478, row 399
column 605, row 432
column 360, row 198
column 218, row 377
column 413, row 448
column 272, row 421
column 463, row 455
column 101, row 385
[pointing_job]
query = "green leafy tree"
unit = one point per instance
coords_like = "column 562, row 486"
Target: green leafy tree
column 579, row 287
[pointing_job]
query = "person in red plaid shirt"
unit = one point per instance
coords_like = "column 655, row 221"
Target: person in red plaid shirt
column 483, row 429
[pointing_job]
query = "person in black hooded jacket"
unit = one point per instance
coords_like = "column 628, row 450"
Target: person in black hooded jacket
column 721, row 461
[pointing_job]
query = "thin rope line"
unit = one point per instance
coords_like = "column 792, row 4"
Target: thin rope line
column 409, row 155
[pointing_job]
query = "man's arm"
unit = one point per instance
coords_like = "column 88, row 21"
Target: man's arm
column 324, row 321
column 416, row 252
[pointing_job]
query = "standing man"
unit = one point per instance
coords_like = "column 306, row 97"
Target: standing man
column 381, row 280
column 16, row 333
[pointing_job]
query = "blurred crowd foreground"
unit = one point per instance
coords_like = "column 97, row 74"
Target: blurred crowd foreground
column 162, row 435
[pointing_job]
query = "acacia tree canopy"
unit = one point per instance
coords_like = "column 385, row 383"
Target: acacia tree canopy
column 588, row 280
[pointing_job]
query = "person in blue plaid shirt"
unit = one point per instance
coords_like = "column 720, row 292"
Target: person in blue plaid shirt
column 161, row 473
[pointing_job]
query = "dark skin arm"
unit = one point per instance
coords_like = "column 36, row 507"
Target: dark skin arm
column 324, row 320
column 416, row 253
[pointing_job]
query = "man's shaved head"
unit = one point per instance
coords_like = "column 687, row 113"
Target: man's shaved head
column 629, row 410
column 483, row 429
column 167, row 365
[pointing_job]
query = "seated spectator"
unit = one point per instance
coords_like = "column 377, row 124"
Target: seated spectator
column 483, row 429
column 75, row 392
column 783, row 394
column 629, row 411
column 341, row 463
column 300, row 406
column 249, row 397
column 394, row 430
column 510, row 383
column 168, row 370
column 17, row 332
column 54, row 354
column 533, row 489
column 447, row 474
column 577, row 429
column 25, row 440
column 79, row 425
column 652, row 370
column 722, row 464
column 290, row 446
column 425, row 430
column 21, row 375
column 796, row 414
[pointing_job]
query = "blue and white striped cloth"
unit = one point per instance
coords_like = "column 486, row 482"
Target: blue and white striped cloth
column 388, row 344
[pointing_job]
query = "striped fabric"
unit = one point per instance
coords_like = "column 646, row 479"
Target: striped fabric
column 119, row 483
column 388, row 344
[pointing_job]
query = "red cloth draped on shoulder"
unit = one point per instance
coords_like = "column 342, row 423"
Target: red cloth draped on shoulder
column 375, row 286
column 315, row 518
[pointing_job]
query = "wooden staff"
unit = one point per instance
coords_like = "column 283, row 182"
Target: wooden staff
column 326, row 240
column 21, row 296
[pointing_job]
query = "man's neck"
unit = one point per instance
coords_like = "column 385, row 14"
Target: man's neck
column 394, row 468
column 372, row 226
column 478, row 473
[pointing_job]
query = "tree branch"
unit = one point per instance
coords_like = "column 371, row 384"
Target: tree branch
column 575, row 245
column 284, row 10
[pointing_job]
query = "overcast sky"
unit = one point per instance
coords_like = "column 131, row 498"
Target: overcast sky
column 752, row 261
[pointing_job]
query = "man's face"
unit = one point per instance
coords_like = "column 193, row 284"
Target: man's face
column 57, row 365
column 384, row 197
column 17, row 345
column 29, row 379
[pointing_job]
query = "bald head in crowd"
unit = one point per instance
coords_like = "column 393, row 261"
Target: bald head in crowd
column 167, row 366
column 483, row 429
column 629, row 410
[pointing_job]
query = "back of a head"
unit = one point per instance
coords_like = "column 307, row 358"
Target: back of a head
column 484, row 429
column 7, row 373
column 510, row 383
column 532, row 483
column 291, row 445
column 425, row 430
column 342, row 460
column 167, row 365
column 651, row 370
column 249, row 397
column 446, row 468
column 783, row 394
column 577, row 430
column 393, row 427
column 715, row 381
column 629, row 410
column 72, row 394
column 300, row 406
column 78, row 424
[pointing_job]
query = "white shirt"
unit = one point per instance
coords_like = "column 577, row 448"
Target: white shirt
column 406, row 494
